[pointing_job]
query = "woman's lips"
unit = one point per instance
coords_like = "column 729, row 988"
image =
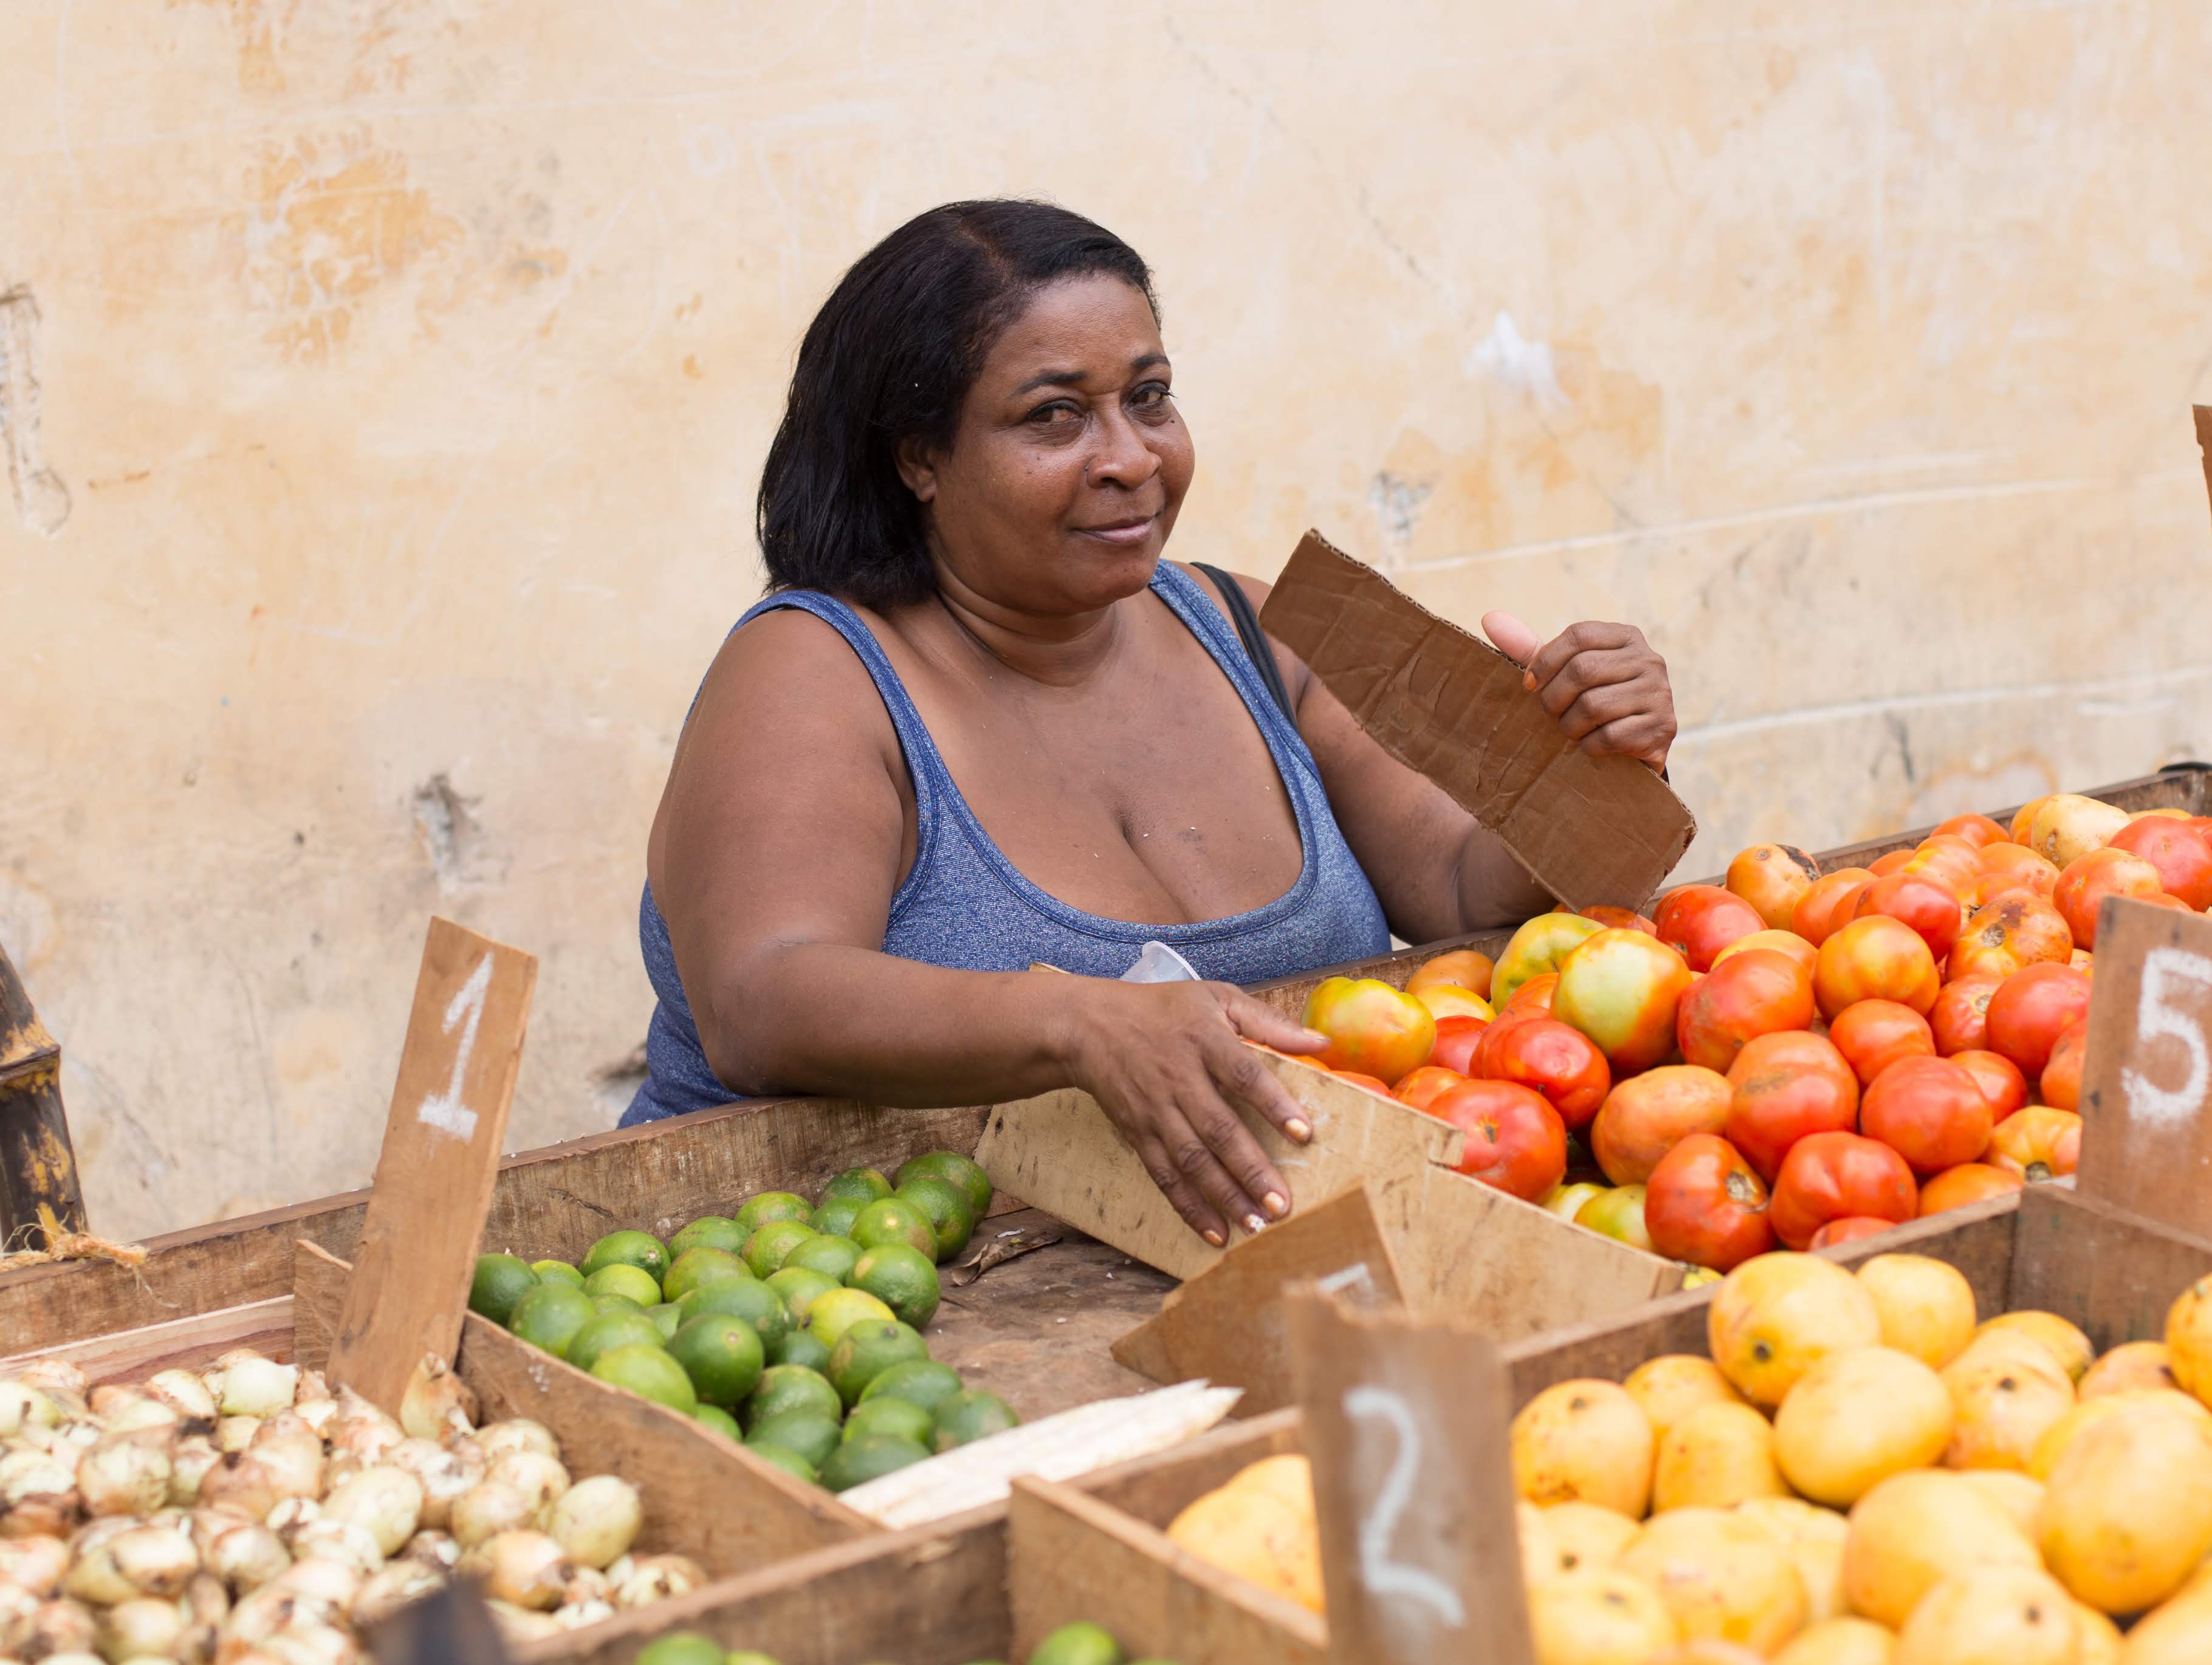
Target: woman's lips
column 1121, row 532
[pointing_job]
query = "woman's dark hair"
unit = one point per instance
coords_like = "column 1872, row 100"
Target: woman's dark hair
column 891, row 354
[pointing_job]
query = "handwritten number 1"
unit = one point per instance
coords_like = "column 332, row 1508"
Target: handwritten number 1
column 444, row 1110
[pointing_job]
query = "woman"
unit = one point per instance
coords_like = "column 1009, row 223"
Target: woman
column 979, row 723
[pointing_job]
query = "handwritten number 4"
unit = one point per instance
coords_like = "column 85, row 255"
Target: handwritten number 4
column 1383, row 1575
column 2165, row 973
column 444, row 1110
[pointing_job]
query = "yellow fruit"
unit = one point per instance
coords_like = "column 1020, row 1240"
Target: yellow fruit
column 1598, row 1616
column 1991, row 1616
column 2066, row 826
column 1257, row 1536
column 2086, row 1414
column 1289, row 1477
column 1708, row 1650
column 2099, row 1641
column 2061, row 1339
column 1721, row 1577
column 1814, row 1538
column 1845, row 1641
column 1926, row 1306
column 2131, row 1365
column 1673, row 1385
column 2127, row 1510
column 1586, row 1535
column 1917, row 1529
column 1855, row 1418
column 2005, row 1392
column 2189, row 1339
column 2179, row 1632
column 2020, row 1496
column 1776, row 1316
column 1717, row 1455
column 1585, row 1441
column 1539, row 1551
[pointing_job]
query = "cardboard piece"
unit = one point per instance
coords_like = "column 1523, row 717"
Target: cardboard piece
column 1588, row 830
column 1405, row 1427
column 442, row 1140
column 1227, row 1324
column 2204, row 413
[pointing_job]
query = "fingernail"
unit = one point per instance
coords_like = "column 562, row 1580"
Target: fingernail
column 1276, row 1204
column 1529, row 680
column 1214, row 1237
column 1253, row 1225
column 1297, row 1129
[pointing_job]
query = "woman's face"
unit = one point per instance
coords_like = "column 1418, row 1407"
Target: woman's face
column 1069, row 463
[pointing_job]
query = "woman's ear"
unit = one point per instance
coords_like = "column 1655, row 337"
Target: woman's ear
column 915, row 466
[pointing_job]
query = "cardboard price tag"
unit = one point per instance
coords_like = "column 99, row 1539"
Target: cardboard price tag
column 2146, row 1135
column 409, row 1289
column 1405, row 1427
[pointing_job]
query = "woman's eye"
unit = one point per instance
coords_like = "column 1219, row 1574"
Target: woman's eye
column 1153, row 396
column 1057, row 412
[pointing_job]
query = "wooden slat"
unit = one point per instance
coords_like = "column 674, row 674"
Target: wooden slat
column 1156, row 1487
column 180, row 1344
column 2112, row 1273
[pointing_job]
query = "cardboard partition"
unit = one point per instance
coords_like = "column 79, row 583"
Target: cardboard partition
column 2203, row 414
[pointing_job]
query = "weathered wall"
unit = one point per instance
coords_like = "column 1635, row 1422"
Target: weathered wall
column 402, row 369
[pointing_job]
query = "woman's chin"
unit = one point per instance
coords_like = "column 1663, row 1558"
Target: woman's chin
column 1108, row 572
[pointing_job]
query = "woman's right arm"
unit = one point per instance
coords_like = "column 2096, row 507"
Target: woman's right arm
column 778, row 847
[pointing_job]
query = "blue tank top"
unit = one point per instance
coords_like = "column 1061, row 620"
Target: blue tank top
column 965, row 906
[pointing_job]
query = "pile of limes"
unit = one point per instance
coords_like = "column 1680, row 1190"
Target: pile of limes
column 794, row 1327
column 1080, row 1644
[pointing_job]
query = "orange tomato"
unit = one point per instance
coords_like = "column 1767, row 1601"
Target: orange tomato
column 1457, row 1038
column 2060, row 1087
column 2037, row 1143
column 1969, row 1182
column 1817, row 911
column 1771, row 878
column 1883, row 866
column 1960, row 1016
column 1620, row 919
column 1976, row 829
column 1759, row 993
column 1380, row 1088
column 1621, row 988
column 1372, row 1027
column 1875, row 1033
column 1515, row 1141
column 1462, row 967
column 1875, row 958
column 1446, row 1001
column 1833, row 1176
column 1930, row 1111
column 1704, row 1204
column 1698, row 920
column 1647, row 1115
column 1847, row 1230
column 1943, row 855
column 1779, row 942
column 2088, row 879
column 1423, row 1087
column 1561, row 1062
column 2015, row 929
column 1535, row 994
column 2022, row 815
column 1782, row 1087
column 2180, row 852
column 2000, row 1079
column 2025, row 869
column 1919, row 900
column 2032, row 1009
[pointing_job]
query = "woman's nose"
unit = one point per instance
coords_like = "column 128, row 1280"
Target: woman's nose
column 1122, row 457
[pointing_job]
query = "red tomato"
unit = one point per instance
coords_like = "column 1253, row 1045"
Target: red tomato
column 1782, row 1087
column 1771, row 878
column 1976, row 829
column 1620, row 919
column 1875, row 958
column 2000, row 1079
column 2037, row 1143
column 2033, row 1009
column 1960, row 1018
column 1515, row 1141
column 2061, row 1084
column 1953, row 859
column 1755, row 993
column 1372, row 1027
column 1931, row 1111
column 1425, row 1084
column 2010, row 931
column 1883, row 866
column 2180, row 851
column 1925, row 903
column 1875, row 1033
column 1846, row 1229
column 1820, row 910
column 1833, row 1176
column 1457, row 1040
column 1702, row 1204
column 1971, row 1182
column 1698, row 921
column 1504, row 1020
column 1648, row 1114
column 1559, row 1062
column 2020, row 868
column 1621, row 988
column 2110, row 872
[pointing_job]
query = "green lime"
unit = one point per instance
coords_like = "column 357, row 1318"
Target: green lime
column 708, row 1231
column 1080, row 1644
column 832, row 1314
column 668, row 1315
column 758, row 1211
column 748, row 1656
column 922, row 1382
column 715, row 1416
column 890, row 1416
column 972, row 1414
column 704, row 1264
column 895, row 1220
column 721, row 1354
column 946, row 1207
column 766, row 1248
column 902, row 1278
column 549, row 1317
column 681, row 1648
column 741, row 1298
column 871, row 1456
column 802, row 1346
column 551, row 1271
column 639, row 1248
column 618, row 1278
column 610, row 1330
column 951, row 1166
column 650, row 1373
column 864, row 1184
column 790, row 1461
column 615, row 1304
column 834, row 1218
column 809, row 1433
column 867, row 1349
column 500, row 1280
column 797, row 1287
column 783, row 1388
column 831, row 1256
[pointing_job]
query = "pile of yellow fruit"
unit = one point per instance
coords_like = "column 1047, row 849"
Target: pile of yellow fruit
column 1260, row 1526
column 1863, row 1474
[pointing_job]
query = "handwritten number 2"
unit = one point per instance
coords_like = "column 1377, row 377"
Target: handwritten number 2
column 444, row 1110
column 1382, row 1575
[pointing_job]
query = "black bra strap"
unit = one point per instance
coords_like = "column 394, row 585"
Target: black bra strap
column 1247, row 621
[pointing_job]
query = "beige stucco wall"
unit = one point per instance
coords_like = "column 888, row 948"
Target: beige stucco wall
column 403, row 368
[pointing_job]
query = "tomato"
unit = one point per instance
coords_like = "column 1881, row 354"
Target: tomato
column 1448, row 1001
column 1457, row 1040
column 2088, row 879
column 1930, row 1111
column 1847, row 1230
column 1480, row 1069
column 1875, row 1033
column 1830, row 1176
column 1647, row 1115
column 1883, row 866
column 1950, row 860
column 1620, row 919
column 1875, row 958
column 1380, row 1088
column 1462, row 967
column 1535, row 994
column 1976, row 829
column 1960, row 1018
column 1515, row 1141
column 1779, row 942
column 2015, row 929
column 2081, row 960
column 1425, row 1084
column 1372, row 1027
column 2038, row 1143
column 1698, row 920
column 1969, row 1182
column 1617, row 1213
column 1538, row 947
column 1761, row 993
column 1621, row 989
column 1816, row 912
column 1561, row 1062
column 2023, row 817
column 1771, row 878
column 1782, row 1087
column 1999, row 1077
column 2021, row 866
column 2061, row 1084
column 1928, row 905
column 1702, row 1204
column 2032, row 1008
column 2178, row 850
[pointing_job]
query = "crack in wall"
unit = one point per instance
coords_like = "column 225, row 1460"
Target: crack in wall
column 42, row 501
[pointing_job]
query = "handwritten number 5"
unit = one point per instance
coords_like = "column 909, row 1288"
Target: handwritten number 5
column 444, row 1110
column 2165, row 970
column 1382, row 1575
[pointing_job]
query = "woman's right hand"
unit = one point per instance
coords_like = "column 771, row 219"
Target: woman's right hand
column 1169, row 1064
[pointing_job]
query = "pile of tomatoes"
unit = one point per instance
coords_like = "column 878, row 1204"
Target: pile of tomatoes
column 1787, row 1058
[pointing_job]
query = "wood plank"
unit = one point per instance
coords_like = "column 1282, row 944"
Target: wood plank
column 319, row 1290
column 2112, row 1273
column 1158, row 1488
column 180, row 1344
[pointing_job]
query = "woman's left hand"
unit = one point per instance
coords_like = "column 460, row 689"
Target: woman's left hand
column 1606, row 684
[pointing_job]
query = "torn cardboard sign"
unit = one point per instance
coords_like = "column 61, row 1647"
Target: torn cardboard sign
column 1588, row 830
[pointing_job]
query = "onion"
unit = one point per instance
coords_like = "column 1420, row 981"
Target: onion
column 206, row 1600
column 618, row 1574
column 486, row 1510
column 325, row 1578
column 312, row 1644
column 385, row 1592
column 254, row 1386
column 18, row 1611
column 436, row 1400
column 575, row 1615
column 443, row 1473
column 526, row 1568
column 109, row 1397
column 183, row 1392
column 342, row 1468
column 387, row 1501
column 540, row 1478
column 269, row 1610
column 141, row 1629
column 435, row 1550
column 122, row 1477
column 61, row 1626
column 240, row 1485
column 318, row 1414
column 75, row 1659
column 189, row 1463
column 657, row 1577
column 314, row 1388
column 361, row 1429
column 287, row 1517
column 247, row 1557
column 516, row 1434
column 346, row 1542
column 26, row 1473
column 520, row 1625
column 35, row 1565
column 235, row 1433
column 589, row 1584
column 157, row 1560
column 280, row 1425
column 596, row 1520
column 21, row 1404
column 53, row 1377
column 95, row 1577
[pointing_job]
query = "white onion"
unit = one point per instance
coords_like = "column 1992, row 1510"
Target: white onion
column 19, row 1613
column 26, row 1473
column 540, row 1478
column 95, row 1577
column 361, row 1430
column 247, row 1557
column 346, row 1542
column 657, row 1577
column 255, row 1386
column 443, row 1472
column 61, row 1626
column 519, row 1625
column 312, row 1644
column 269, row 1610
column 189, row 1463
column 589, row 1584
column 618, row 1574
column 526, row 1568
column 235, row 1433
column 109, row 1397
column 157, row 1560
column 387, row 1501
column 52, row 1376
column 34, row 1564
column 139, row 1629
column 318, row 1414
column 575, row 1615
column 287, row 1516
column 324, row 1578
column 385, row 1592
column 183, row 1392
column 83, row 1433
column 516, row 1434
column 123, row 1477
column 435, row 1550
column 486, row 1510
column 147, row 1418
column 314, row 1388
column 75, row 1659
column 596, row 1520
column 206, row 1600
column 436, row 1401
column 23, row 1406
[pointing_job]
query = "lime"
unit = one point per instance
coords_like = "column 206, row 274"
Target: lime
column 783, row 1388
column 869, row 1458
column 946, row 1207
column 741, row 1298
column 615, row 1304
column 809, row 1433
column 895, row 1220
column 890, row 1416
column 902, row 1278
column 1080, row 1644
column 972, row 1414
column 650, row 1373
column 681, row 1648
column 704, row 1264
column 867, row 1349
column 863, row 1184
column 708, row 1231
column 668, row 1315
column 715, row 1416
column 748, row 1656
column 610, row 1330
column 500, row 1280
column 920, row 1382
column 618, row 1278
column 758, row 1211
column 797, row 1287
column 832, row 1314
column 834, row 1218
column 549, row 1317
column 800, row 1347
column 766, row 1248
column 788, row 1459
column 721, row 1355
column 956, row 1169
column 830, row 1256
column 561, row 1271
column 639, row 1248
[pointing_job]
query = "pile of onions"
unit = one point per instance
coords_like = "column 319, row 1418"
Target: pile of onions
column 249, row 1515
